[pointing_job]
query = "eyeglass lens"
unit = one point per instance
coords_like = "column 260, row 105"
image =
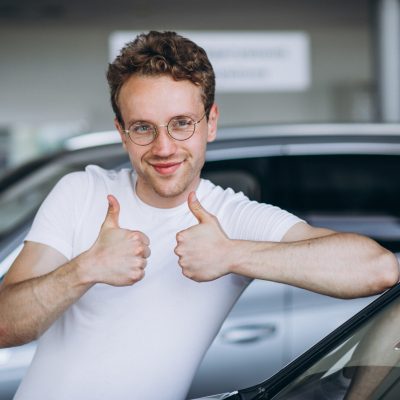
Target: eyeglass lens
column 179, row 128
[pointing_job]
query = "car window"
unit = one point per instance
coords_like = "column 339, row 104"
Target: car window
column 325, row 183
column 20, row 200
column 23, row 198
column 366, row 365
column 329, row 183
column 345, row 192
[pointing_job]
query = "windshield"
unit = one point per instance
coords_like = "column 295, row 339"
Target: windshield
column 365, row 365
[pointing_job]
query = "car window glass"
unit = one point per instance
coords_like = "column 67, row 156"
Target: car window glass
column 344, row 192
column 364, row 366
column 21, row 199
column 24, row 197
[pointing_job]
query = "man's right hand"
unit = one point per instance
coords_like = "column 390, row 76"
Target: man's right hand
column 118, row 257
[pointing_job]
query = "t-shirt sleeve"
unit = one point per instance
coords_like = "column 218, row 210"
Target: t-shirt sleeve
column 58, row 216
column 251, row 220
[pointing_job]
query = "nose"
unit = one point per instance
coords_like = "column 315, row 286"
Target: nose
column 163, row 145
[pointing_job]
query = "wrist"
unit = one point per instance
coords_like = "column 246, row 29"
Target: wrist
column 83, row 266
column 235, row 256
column 245, row 257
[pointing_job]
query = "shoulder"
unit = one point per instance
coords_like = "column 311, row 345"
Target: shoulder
column 216, row 199
column 100, row 173
column 243, row 218
column 80, row 186
column 69, row 185
column 95, row 177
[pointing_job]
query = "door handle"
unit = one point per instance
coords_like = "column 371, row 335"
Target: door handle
column 248, row 333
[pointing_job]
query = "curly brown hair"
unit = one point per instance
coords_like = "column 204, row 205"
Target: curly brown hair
column 162, row 53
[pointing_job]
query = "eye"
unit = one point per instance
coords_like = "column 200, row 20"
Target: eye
column 181, row 123
column 141, row 128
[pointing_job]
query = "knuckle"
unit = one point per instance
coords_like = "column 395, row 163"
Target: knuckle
column 135, row 235
column 190, row 275
column 146, row 240
column 139, row 250
column 138, row 263
column 180, row 236
column 140, row 274
column 186, row 272
column 136, row 275
column 130, row 280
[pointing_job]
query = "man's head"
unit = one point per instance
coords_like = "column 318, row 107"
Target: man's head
column 162, row 53
column 162, row 91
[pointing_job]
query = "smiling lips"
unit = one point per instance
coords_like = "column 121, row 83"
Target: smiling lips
column 167, row 168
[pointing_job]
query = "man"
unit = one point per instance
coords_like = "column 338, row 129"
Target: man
column 126, row 298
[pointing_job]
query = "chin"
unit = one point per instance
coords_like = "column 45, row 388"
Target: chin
column 174, row 186
column 170, row 192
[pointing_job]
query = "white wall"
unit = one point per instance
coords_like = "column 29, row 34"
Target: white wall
column 52, row 71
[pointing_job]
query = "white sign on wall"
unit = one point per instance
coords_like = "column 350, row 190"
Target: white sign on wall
column 248, row 61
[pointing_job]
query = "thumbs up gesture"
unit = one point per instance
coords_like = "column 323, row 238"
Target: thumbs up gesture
column 203, row 249
column 118, row 257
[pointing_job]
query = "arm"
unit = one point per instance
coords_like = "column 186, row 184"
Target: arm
column 42, row 284
column 336, row 264
column 39, row 286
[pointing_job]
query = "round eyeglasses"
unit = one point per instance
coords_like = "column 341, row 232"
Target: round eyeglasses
column 178, row 128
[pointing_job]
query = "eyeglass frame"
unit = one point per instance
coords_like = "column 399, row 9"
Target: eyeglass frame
column 127, row 132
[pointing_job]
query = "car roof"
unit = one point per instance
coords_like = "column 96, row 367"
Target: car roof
column 246, row 132
column 279, row 139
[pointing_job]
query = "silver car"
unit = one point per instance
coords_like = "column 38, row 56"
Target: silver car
column 342, row 177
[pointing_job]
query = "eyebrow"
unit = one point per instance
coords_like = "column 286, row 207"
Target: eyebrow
column 188, row 114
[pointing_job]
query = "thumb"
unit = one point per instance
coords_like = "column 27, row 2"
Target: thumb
column 197, row 209
column 112, row 216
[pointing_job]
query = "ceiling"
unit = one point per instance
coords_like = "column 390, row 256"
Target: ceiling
column 188, row 14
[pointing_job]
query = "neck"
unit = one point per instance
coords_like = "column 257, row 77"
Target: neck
column 155, row 199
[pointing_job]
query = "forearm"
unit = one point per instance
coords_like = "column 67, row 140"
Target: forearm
column 29, row 307
column 339, row 264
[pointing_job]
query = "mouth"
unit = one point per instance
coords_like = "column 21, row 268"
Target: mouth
column 167, row 168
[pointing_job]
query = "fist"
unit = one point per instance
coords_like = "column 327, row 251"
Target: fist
column 119, row 256
column 203, row 248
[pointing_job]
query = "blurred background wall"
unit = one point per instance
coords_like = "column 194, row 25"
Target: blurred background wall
column 54, row 54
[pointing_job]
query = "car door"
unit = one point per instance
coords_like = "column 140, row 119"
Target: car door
column 312, row 316
column 252, row 343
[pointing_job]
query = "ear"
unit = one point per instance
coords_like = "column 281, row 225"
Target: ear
column 213, row 123
column 121, row 132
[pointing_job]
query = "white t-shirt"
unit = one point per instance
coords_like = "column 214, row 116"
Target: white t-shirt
column 138, row 341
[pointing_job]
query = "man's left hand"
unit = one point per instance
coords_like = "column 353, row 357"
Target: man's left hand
column 203, row 249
